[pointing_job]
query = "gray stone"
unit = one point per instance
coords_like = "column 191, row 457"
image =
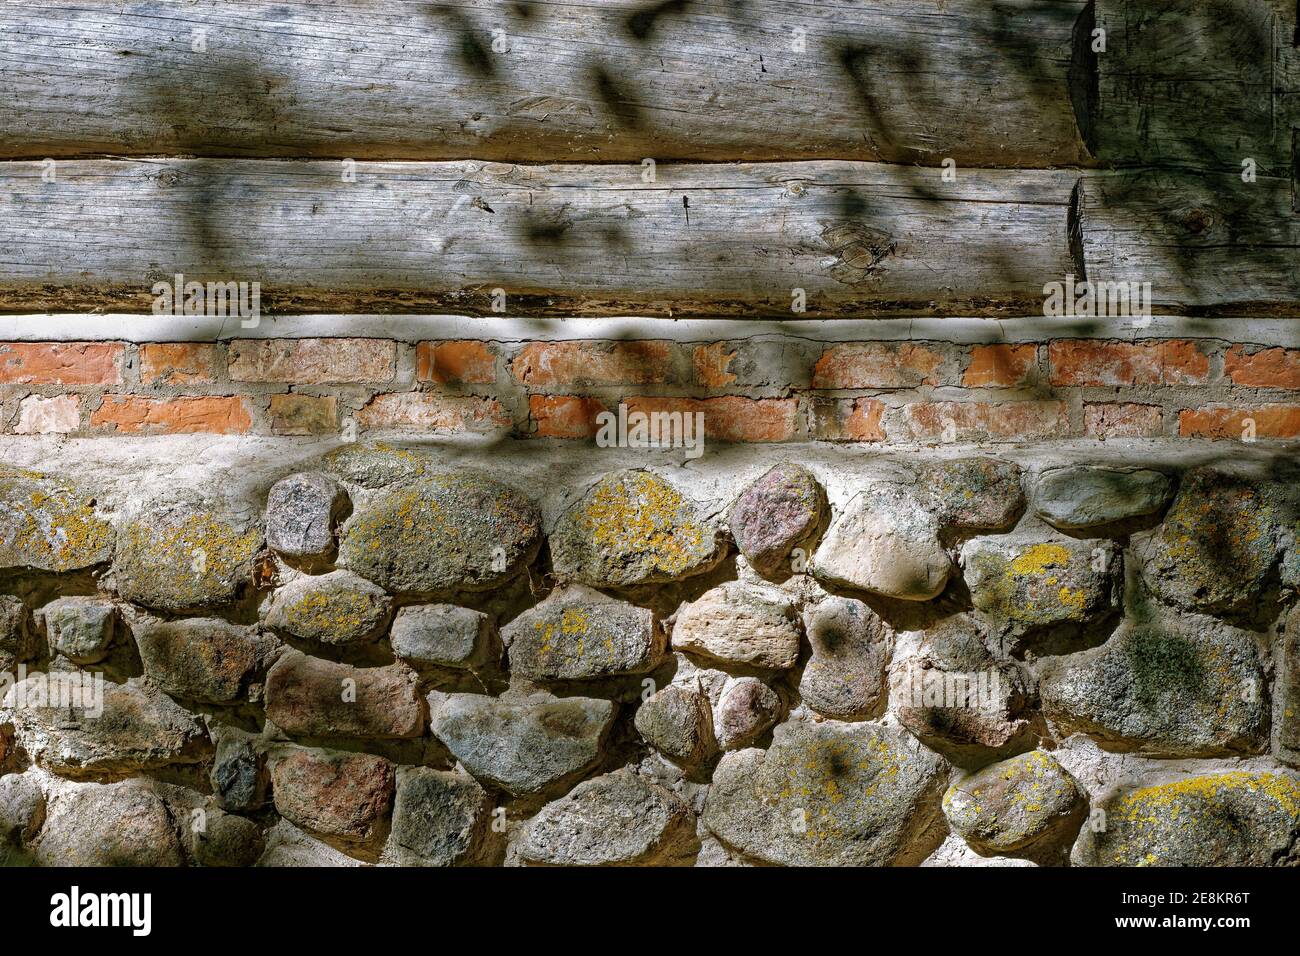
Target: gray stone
column 310, row 697
column 678, row 722
column 845, row 677
column 302, row 513
column 448, row 532
column 579, row 634
column 619, row 819
column 830, row 794
column 1192, row 688
column 443, row 635
column 1032, row 587
column 958, row 698
column 186, row 556
column 17, row 642
column 22, row 809
column 333, row 609
column 886, row 543
column 139, row 728
column 525, row 746
column 974, row 494
column 288, row 846
column 119, row 824
column 1229, row 819
column 779, row 512
column 1288, row 684
column 342, row 797
column 740, row 624
column 238, row 776
column 1028, row 800
column 439, row 819
column 47, row 524
column 1216, row 548
column 227, row 840
column 747, row 709
column 203, row 659
column 375, row 465
column 1086, row 497
column 80, row 628
column 633, row 528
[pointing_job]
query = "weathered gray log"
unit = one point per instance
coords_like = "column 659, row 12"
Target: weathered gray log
column 916, row 81
column 1206, row 242
column 858, row 238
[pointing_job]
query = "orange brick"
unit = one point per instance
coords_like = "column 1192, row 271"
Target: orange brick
column 178, row 363
column 426, row 411
column 550, row 364
column 1232, row 422
column 731, row 418
column 215, row 414
column 295, row 414
column 1267, row 368
column 1090, row 362
column 312, row 361
column 564, row 416
column 849, row 419
column 455, row 363
column 1000, row 365
column 1123, row 420
column 986, row 421
column 61, row 363
column 877, row 365
column 711, row 363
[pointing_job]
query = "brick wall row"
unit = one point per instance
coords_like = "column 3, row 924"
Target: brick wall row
column 778, row 388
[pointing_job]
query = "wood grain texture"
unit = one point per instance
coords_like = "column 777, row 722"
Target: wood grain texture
column 859, row 238
column 913, row 81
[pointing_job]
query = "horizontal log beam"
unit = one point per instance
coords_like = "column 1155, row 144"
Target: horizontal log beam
column 912, row 81
column 857, row 238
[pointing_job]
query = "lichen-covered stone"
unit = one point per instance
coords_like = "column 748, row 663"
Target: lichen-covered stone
column 342, row 797
column 619, row 819
column 885, row 542
column 334, row 609
column 138, row 729
column 1218, row 543
column 443, row 635
column 1288, row 685
column 186, row 557
column 1083, row 497
column 377, row 464
column 633, row 528
column 1027, row 587
column 974, row 494
column 737, row 623
column 47, row 524
column 80, row 629
column 845, row 677
column 779, row 512
column 439, row 819
column 1009, row 806
column 957, row 697
column 1228, row 819
column 578, row 633
column 238, row 774
column 1163, row 687
column 830, row 794
column 17, row 642
column 227, row 840
column 310, row 697
column 526, row 746
column 448, row 532
column 302, row 513
column 203, row 659
column 678, row 722
column 746, row 710
column 119, row 824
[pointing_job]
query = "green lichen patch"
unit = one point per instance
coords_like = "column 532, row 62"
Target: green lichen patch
column 1230, row 819
column 447, row 532
column 49, row 525
column 180, row 557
